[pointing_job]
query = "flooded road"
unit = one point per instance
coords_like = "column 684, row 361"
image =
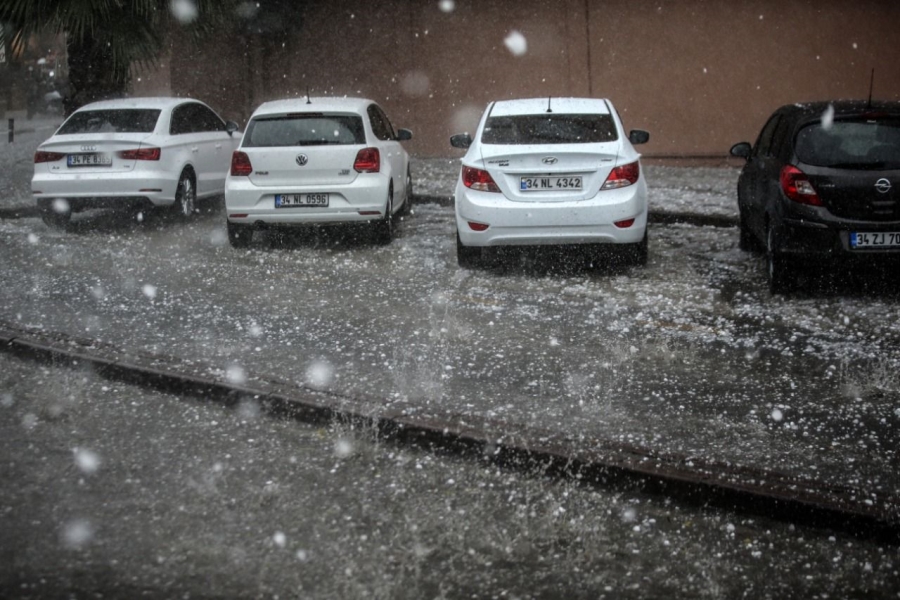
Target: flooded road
column 689, row 355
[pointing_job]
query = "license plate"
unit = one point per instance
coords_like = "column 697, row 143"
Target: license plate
column 556, row 182
column 290, row 200
column 96, row 159
column 875, row 240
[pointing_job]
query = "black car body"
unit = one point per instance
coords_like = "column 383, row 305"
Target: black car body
column 822, row 186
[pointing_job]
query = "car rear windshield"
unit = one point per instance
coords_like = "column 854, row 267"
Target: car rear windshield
column 125, row 120
column 863, row 143
column 549, row 129
column 305, row 130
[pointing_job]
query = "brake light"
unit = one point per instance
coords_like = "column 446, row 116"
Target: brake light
column 475, row 226
column 478, row 180
column 140, row 154
column 624, row 224
column 240, row 164
column 368, row 160
column 622, row 176
column 797, row 186
column 41, row 157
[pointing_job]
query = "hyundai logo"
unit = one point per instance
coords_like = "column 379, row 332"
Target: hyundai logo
column 302, row 159
column 550, row 160
column 883, row 186
column 88, row 148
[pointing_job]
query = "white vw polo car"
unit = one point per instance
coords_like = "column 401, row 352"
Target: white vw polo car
column 133, row 153
column 550, row 171
column 317, row 161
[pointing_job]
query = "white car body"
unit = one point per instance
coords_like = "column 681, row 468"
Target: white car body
column 319, row 172
column 598, row 211
column 190, row 137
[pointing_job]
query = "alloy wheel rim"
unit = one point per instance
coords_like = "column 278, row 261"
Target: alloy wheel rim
column 187, row 197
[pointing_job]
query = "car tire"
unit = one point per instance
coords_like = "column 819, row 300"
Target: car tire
column 406, row 209
column 55, row 220
column 638, row 253
column 186, row 195
column 778, row 267
column 384, row 228
column 239, row 236
column 467, row 257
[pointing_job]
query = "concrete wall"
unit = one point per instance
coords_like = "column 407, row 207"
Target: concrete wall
column 699, row 74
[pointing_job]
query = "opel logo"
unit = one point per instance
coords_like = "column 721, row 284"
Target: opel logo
column 883, row 186
column 302, row 159
column 92, row 148
column 550, row 160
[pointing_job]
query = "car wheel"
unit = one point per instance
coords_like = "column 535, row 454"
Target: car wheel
column 55, row 219
column 638, row 253
column 406, row 209
column 239, row 236
column 384, row 228
column 778, row 267
column 186, row 195
column 467, row 257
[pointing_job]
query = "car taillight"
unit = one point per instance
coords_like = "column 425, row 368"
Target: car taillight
column 478, row 180
column 624, row 224
column 140, row 154
column 41, row 157
column 368, row 160
column 475, row 226
column 622, row 176
column 240, row 164
column 797, row 186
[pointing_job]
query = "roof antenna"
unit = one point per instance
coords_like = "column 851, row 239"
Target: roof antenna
column 871, row 85
column 550, row 110
column 308, row 101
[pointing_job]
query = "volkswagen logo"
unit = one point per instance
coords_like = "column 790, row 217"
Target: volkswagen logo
column 302, row 159
column 883, row 186
column 550, row 160
column 92, row 148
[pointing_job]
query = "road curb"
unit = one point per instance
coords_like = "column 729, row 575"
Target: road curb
column 665, row 218
column 590, row 461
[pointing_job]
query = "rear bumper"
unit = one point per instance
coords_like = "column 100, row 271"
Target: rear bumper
column 813, row 241
column 108, row 191
column 246, row 203
column 516, row 223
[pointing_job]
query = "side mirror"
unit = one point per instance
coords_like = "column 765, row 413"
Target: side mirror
column 638, row 136
column 231, row 127
column 741, row 150
column 461, row 140
column 404, row 135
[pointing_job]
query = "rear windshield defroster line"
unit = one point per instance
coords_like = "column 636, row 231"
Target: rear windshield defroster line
column 549, row 129
column 114, row 120
column 304, row 129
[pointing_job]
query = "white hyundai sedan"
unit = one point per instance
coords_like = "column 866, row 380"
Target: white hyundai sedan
column 318, row 161
column 134, row 153
column 550, row 171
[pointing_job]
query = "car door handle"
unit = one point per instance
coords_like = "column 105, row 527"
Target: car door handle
column 195, row 149
column 218, row 146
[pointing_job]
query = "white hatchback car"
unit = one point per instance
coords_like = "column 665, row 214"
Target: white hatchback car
column 318, row 161
column 133, row 153
column 550, row 171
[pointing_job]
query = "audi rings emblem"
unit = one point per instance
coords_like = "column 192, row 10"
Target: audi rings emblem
column 883, row 186
column 550, row 160
column 302, row 159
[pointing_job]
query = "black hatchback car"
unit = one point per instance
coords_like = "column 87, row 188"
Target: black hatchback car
column 821, row 186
